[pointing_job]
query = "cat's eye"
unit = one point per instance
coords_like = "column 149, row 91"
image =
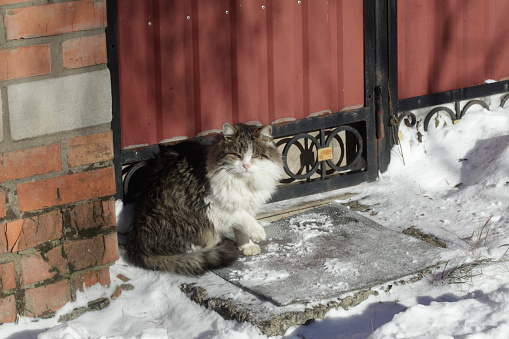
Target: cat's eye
column 256, row 155
column 236, row 155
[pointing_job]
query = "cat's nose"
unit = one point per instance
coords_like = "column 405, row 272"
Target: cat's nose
column 246, row 166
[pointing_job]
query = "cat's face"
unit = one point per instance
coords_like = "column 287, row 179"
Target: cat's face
column 245, row 150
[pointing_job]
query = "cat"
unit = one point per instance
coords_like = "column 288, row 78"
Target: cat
column 199, row 194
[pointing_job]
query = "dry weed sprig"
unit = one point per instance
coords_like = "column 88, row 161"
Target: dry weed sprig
column 393, row 127
column 504, row 245
column 479, row 238
column 466, row 272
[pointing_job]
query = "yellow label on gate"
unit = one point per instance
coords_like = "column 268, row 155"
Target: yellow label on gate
column 325, row 154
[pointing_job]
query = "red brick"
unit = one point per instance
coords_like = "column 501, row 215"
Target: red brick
column 85, row 253
column 7, row 2
column 94, row 214
column 83, row 52
column 35, row 269
column 25, row 62
column 101, row 250
column 116, row 294
column 46, row 299
column 13, row 234
column 63, row 190
column 2, row 171
column 56, row 260
column 109, row 213
column 3, row 203
column 56, row 18
column 7, row 278
column 3, row 238
column 18, row 235
column 90, row 149
column 88, row 279
column 32, row 161
column 110, row 248
column 7, row 309
column 40, row 229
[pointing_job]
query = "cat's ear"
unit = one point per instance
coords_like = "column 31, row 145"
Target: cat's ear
column 265, row 133
column 228, row 130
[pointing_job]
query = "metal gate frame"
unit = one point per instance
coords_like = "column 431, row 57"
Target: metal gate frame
column 401, row 109
column 376, row 123
column 360, row 122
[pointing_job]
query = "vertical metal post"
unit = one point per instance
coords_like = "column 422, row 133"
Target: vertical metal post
column 112, row 50
column 382, row 85
column 370, row 78
column 323, row 168
column 392, row 52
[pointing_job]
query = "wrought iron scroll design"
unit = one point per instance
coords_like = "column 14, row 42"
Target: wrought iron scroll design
column 410, row 119
column 458, row 114
column 347, row 155
column 308, row 146
column 434, row 111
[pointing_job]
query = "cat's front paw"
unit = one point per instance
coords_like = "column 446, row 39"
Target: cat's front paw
column 258, row 233
column 250, row 249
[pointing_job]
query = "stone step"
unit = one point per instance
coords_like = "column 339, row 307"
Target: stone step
column 312, row 261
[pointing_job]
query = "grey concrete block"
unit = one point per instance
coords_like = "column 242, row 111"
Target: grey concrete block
column 312, row 261
column 325, row 253
column 59, row 104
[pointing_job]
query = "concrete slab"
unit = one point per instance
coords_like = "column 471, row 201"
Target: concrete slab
column 325, row 252
column 313, row 261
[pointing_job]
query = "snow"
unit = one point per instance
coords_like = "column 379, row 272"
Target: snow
column 451, row 182
column 310, row 225
column 336, row 267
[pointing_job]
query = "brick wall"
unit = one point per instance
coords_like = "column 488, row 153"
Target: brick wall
column 57, row 219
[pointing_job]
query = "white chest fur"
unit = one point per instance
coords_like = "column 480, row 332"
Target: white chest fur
column 232, row 193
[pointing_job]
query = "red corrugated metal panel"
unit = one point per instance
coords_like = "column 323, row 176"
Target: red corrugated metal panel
column 446, row 45
column 136, row 60
column 187, row 66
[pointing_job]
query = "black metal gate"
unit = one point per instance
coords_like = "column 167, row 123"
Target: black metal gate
column 399, row 110
column 336, row 150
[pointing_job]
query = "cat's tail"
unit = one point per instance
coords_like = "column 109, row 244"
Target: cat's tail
column 196, row 262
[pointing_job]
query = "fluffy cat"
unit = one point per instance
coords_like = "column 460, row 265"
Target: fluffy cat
column 198, row 195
